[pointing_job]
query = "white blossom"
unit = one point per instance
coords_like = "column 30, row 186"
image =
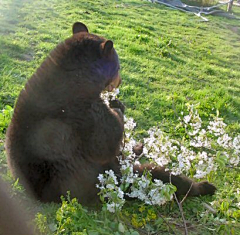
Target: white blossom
column 107, row 96
column 224, row 141
column 112, row 207
column 217, row 126
column 129, row 123
column 234, row 160
column 236, row 145
column 187, row 119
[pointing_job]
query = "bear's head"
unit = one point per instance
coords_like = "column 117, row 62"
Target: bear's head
column 88, row 61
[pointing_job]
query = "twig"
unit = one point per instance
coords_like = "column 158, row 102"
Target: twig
column 139, row 157
column 181, row 211
column 169, row 226
column 186, row 194
column 180, row 205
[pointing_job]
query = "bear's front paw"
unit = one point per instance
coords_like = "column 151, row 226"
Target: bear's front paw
column 117, row 104
column 138, row 149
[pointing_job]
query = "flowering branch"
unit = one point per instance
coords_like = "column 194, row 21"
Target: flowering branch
column 202, row 150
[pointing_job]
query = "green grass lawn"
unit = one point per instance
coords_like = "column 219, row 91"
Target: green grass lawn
column 168, row 58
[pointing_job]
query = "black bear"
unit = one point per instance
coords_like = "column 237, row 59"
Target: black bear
column 62, row 134
column 13, row 219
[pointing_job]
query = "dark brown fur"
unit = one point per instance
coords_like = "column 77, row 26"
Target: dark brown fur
column 62, row 135
column 13, row 219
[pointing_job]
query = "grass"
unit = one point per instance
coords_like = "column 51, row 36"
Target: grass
column 168, row 59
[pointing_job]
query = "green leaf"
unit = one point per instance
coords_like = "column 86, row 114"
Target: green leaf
column 121, row 228
column 134, row 233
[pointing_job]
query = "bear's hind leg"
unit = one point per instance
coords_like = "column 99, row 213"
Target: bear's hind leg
column 185, row 186
column 39, row 175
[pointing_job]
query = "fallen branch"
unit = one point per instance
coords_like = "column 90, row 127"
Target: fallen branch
column 198, row 11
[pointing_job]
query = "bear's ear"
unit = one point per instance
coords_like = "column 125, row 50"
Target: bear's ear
column 79, row 27
column 107, row 47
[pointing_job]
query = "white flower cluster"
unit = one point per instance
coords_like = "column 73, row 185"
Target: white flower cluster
column 211, row 146
column 199, row 152
column 200, row 140
column 217, row 126
column 159, row 148
column 236, row 146
column 179, row 157
column 109, row 190
column 192, row 122
column 107, row 96
column 129, row 141
column 152, row 192
column 129, row 126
